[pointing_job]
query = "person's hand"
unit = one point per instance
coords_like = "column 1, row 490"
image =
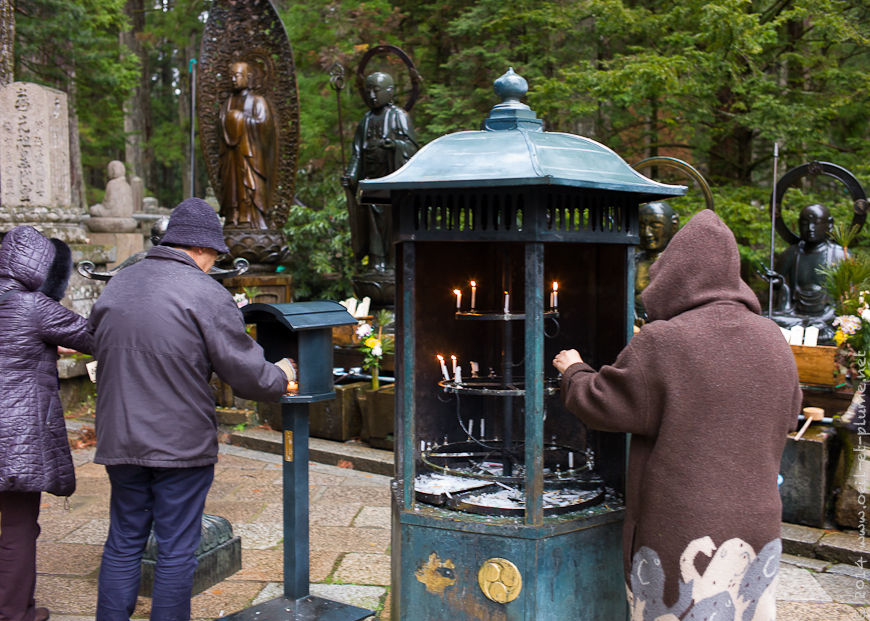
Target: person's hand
column 65, row 350
column 565, row 359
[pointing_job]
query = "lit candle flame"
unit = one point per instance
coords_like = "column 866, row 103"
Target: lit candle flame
column 555, row 286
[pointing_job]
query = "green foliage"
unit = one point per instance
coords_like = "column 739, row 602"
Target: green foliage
column 318, row 238
column 72, row 45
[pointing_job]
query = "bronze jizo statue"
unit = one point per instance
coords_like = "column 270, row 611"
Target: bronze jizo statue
column 383, row 142
column 801, row 296
column 658, row 224
column 248, row 154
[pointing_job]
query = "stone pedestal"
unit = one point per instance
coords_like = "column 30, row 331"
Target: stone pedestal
column 34, row 162
column 83, row 292
column 807, row 469
column 219, row 556
column 125, row 244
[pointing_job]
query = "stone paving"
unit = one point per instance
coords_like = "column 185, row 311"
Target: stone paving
column 350, row 539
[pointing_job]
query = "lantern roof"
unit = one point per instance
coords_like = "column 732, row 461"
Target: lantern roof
column 512, row 149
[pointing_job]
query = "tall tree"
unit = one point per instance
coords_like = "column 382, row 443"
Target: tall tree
column 72, row 45
column 137, row 107
column 7, row 42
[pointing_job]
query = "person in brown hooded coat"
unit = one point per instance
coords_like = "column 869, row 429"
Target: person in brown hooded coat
column 709, row 390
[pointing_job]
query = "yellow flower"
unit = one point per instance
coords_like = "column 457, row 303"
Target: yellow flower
column 372, row 342
column 839, row 337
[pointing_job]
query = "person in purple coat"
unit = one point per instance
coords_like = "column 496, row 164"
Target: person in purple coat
column 161, row 327
column 34, row 450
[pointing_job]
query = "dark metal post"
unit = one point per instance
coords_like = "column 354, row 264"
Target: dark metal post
column 336, row 81
column 295, row 427
column 534, row 372
column 406, row 376
column 192, row 69
column 772, row 228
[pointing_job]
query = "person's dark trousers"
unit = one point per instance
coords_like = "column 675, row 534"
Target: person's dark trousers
column 172, row 499
column 19, row 512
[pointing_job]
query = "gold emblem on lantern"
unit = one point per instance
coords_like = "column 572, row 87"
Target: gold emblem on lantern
column 500, row 580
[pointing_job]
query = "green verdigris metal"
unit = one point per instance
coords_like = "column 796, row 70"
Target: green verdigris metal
column 510, row 206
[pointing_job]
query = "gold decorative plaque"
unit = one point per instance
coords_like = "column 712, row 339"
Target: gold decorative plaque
column 500, row 580
column 288, row 445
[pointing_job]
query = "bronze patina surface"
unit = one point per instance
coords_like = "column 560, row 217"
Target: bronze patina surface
column 248, row 110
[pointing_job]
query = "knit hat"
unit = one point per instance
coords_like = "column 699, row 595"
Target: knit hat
column 194, row 223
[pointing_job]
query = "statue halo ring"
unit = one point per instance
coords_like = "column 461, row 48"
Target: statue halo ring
column 813, row 169
column 383, row 50
column 691, row 172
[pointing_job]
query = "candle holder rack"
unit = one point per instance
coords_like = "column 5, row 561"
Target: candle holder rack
column 524, row 209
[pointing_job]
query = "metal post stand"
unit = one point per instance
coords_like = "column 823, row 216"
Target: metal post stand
column 297, row 604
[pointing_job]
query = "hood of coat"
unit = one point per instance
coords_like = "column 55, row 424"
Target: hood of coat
column 700, row 265
column 29, row 261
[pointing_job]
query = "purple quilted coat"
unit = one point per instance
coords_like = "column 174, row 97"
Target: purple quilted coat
column 34, row 450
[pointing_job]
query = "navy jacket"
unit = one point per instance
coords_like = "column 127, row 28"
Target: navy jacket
column 34, row 449
column 160, row 328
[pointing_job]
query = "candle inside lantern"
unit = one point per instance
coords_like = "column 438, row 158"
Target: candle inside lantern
column 458, row 298
column 554, row 297
column 443, row 367
column 482, row 428
column 570, row 460
column 453, row 360
column 473, row 295
column 507, row 303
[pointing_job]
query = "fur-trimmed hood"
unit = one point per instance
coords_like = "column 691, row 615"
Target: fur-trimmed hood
column 29, row 261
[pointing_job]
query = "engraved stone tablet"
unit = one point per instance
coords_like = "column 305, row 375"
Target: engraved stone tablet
column 34, row 161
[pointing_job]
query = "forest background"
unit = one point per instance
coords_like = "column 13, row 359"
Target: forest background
column 713, row 83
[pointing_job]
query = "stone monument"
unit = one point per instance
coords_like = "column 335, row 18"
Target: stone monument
column 34, row 162
column 111, row 222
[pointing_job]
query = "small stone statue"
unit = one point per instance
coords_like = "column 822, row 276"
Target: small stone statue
column 801, row 296
column 115, row 213
column 248, row 152
column 383, row 142
column 658, row 224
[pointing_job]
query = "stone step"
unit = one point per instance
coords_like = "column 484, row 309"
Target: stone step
column 341, row 454
column 836, row 546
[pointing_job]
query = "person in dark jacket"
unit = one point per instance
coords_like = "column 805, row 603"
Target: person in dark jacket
column 161, row 327
column 709, row 390
column 34, row 450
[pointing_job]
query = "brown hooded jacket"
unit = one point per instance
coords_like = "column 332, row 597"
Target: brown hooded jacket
column 709, row 391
